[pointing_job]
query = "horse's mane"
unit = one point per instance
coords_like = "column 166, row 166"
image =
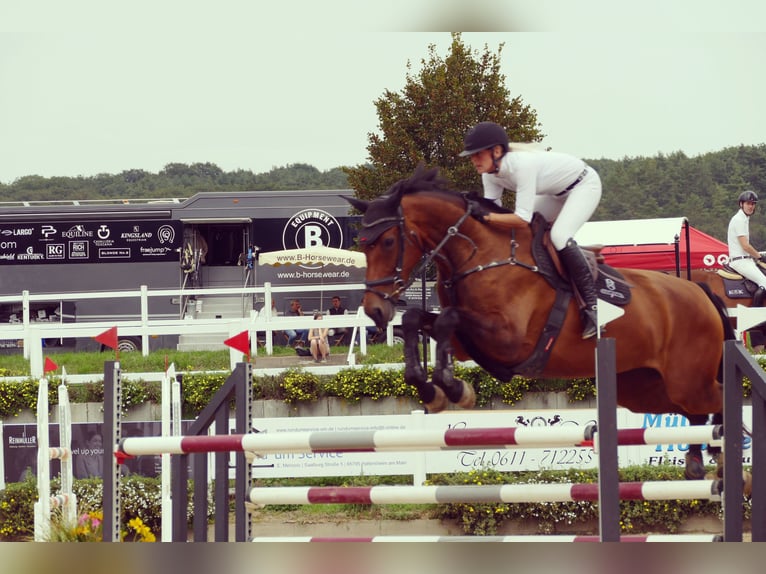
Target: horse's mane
column 430, row 180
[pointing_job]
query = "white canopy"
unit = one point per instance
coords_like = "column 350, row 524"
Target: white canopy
column 632, row 232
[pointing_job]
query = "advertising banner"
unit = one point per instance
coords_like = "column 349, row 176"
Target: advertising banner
column 465, row 459
column 89, row 242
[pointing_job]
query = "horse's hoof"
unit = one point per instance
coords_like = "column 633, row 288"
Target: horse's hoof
column 695, row 470
column 468, row 398
column 438, row 403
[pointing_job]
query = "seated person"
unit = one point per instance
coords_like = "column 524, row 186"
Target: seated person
column 295, row 335
column 318, row 341
column 340, row 334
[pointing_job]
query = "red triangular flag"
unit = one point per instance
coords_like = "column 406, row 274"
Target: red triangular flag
column 49, row 365
column 239, row 342
column 108, row 338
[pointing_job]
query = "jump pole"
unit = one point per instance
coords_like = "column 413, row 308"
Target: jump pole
column 412, row 440
column 478, row 494
column 515, row 538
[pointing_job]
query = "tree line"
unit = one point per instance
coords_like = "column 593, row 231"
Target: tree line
column 425, row 123
column 703, row 189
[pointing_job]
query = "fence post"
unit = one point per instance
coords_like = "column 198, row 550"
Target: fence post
column 112, row 436
column 25, row 323
column 2, row 460
column 43, row 505
column 608, row 474
column 419, row 473
column 144, row 320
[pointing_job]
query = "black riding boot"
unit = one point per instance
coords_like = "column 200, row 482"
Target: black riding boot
column 578, row 270
column 758, row 297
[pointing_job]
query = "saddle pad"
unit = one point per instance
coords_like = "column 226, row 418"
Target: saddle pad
column 611, row 286
column 737, row 288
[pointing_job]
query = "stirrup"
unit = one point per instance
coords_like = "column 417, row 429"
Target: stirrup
column 590, row 323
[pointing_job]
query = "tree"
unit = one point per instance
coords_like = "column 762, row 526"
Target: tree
column 427, row 120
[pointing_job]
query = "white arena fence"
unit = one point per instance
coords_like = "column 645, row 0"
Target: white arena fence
column 33, row 333
column 263, row 321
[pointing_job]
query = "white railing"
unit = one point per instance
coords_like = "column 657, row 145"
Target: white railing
column 33, row 333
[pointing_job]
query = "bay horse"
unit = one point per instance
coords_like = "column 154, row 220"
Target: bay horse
column 735, row 290
column 499, row 309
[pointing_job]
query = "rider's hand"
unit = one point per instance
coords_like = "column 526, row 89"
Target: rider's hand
column 479, row 211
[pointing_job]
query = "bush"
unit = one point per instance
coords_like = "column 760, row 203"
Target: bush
column 17, row 517
column 140, row 497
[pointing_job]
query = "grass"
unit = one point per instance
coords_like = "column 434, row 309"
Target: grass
column 77, row 363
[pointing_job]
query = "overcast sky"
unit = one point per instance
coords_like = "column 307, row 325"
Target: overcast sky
column 90, row 87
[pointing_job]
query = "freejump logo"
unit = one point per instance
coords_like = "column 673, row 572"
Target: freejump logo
column 312, row 228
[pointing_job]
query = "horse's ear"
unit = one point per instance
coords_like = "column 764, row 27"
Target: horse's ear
column 359, row 204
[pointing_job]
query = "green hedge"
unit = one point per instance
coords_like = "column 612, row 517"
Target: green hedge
column 293, row 386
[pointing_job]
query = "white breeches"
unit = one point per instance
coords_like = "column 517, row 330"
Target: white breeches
column 570, row 211
column 748, row 268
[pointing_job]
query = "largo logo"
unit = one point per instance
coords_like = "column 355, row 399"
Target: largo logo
column 312, row 228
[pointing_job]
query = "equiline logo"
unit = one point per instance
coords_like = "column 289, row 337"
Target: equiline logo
column 312, row 228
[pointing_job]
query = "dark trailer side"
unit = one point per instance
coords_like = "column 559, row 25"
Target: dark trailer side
column 70, row 247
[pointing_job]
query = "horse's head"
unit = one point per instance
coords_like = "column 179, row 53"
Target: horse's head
column 394, row 252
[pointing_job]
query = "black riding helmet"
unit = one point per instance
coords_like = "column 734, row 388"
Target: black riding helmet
column 748, row 196
column 484, row 135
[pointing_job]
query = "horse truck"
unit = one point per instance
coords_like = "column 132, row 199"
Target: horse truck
column 69, row 248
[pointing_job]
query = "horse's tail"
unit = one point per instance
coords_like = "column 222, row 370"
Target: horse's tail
column 728, row 330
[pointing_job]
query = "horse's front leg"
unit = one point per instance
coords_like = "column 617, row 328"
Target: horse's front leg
column 716, row 456
column 413, row 321
column 457, row 390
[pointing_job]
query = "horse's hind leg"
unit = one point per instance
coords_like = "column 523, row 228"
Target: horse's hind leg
column 457, row 390
column 433, row 397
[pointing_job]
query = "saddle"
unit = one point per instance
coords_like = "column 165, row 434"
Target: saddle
column 611, row 285
column 735, row 285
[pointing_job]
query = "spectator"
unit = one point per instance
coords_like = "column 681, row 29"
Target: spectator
column 340, row 334
column 296, row 336
column 320, row 347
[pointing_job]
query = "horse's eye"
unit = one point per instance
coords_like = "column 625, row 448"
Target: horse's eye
column 388, row 242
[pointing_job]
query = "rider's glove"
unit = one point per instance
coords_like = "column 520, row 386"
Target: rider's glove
column 478, row 210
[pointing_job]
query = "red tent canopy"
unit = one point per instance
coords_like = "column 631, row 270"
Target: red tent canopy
column 652, row 243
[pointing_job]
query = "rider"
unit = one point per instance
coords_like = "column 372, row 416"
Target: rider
column 562, row 188
column 742, row 255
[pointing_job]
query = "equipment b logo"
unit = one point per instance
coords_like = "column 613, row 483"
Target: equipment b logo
column 312, row 228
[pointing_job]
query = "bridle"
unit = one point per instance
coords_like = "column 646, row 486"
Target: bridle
column 400, row 285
